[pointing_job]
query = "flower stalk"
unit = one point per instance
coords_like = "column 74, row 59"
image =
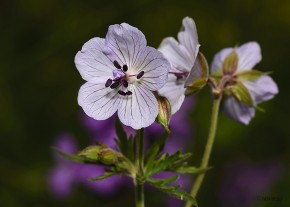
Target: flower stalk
column 208, row 148
column 139, row 185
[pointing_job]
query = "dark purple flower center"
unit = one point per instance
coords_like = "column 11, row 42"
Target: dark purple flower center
column 121, row 78
column 180, row 75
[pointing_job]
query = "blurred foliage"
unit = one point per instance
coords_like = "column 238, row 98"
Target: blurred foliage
column 39, row 85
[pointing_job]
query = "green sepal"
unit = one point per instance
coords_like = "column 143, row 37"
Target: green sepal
column 71, row 157
column 198, row 75
column 241, row 93
column 249, row 75
column 102, row 177
column 230, row 64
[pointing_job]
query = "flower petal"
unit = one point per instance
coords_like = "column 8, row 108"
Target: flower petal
column 174, row 91
column 125, row 44
column 98, row 101
column 177, row 54
column 91, row 62
column 237, row 111
column 155, row 68
column 217, row 63
column 140, row 109
column 262, row 89
column 249, row 55
column 188, row 36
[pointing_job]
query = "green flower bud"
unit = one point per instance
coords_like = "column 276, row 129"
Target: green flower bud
column 164, row 112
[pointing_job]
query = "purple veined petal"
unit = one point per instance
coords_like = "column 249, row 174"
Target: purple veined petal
column 138, row 110
column 217, row 63
column 98, row 101
column 174, row 91
column 262, row 89
column 238, row 111
column 125, row 44
column 180, row 59
column 91, row 62
column 249, row 55
column 155, row 68
column 188, row 36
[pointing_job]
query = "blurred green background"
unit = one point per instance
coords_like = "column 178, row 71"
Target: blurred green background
column 39, row 85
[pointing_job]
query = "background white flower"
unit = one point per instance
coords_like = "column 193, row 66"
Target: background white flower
column 121, row 73
column 260, row 89
column 181, row 56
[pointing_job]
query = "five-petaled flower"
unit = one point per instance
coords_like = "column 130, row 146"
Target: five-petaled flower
column 182, row 56
column 121, row 73
column 244, row 87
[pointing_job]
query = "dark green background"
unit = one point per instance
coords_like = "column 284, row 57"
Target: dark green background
column 39, row 85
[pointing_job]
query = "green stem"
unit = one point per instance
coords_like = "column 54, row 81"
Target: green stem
column 208, row 147
column 139, row 187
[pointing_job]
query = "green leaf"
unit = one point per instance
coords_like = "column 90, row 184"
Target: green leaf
column 241, row 93
column 230, row 64
column 154, row 151
column 106, row 175
column 249, row 75
column 71, row 157
column 172, row 190
column 121, row 134
column 191, row 170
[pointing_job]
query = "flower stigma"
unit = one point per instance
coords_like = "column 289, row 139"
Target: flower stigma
column 121, row 77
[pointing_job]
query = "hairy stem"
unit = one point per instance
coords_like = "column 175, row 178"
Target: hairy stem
column 208, row 148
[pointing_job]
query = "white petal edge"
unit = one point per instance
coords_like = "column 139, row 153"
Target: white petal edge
column 262, row 89
column 188, row 36
column 249, row 55
column 138, row 110
column 174, row 92
column 237, row 111
column 176, row 54
column 125, row 44
column 91, row 62
column 98, row 101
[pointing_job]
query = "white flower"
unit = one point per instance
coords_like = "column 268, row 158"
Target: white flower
column 121, row 73
column 260, row 88
column 181, row 56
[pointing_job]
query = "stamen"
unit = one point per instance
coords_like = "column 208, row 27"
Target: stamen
column 125, row 83
column 140, row 75
column 115, row 85
column 122, row 93
column 125, row 68
column 128, row 93
column 109, row 82
column 116, row 64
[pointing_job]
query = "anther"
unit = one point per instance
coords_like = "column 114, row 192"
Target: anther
column 125, row 68
column 140, row 75
column 128, row 93
column 114, row 85
column 116, row 64
column 125, row 83
column 109, row 82
column 122, row 93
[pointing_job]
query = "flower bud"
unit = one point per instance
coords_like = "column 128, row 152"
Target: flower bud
column 164, row 111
